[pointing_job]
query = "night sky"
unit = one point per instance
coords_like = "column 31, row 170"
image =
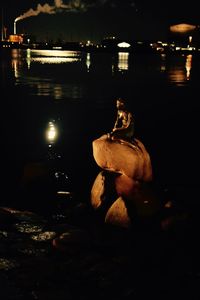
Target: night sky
column 81, row 20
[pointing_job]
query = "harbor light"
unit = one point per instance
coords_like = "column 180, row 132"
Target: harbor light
column 51, row 133
column 123, row 45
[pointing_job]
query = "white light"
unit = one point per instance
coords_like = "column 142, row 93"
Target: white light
column 55, row 60
column 55, row 53
column 123, row 61
column 123, row 45
column 51, row 132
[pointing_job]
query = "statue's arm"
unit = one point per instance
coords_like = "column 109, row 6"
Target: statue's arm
column 129, row 120
column 126, row 125
column 116, row 123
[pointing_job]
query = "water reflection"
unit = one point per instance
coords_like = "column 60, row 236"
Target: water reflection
column 30, row 68
column 51, row 136
column 163, row 63
column 68, row 74
column 51, row 133
column 52, row 56
column 123, row 61
column 17, row 61
column 188, row 65
column 180, row 72
column 88, row 62
column 55, row 53
column 52, row 60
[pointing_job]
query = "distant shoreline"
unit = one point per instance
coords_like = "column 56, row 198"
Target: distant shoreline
column 142, row 47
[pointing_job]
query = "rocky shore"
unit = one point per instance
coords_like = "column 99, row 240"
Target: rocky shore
column 57, row 244
column 68, row 252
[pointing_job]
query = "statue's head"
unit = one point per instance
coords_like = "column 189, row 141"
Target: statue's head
column 120, row 103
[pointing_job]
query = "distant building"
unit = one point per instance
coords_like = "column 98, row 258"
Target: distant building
column 15, row 38
column 115, row 44
column 24, row 39
column 185, row 35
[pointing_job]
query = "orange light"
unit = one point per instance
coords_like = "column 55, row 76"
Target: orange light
column 182, row 28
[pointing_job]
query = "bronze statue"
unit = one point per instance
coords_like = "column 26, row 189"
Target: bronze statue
column 124, row 124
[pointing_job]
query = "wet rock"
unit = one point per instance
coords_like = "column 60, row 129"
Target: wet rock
column 117, row 214
column 6, row 216
column 73, row 241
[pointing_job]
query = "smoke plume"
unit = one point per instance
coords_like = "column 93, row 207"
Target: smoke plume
column 72, row 6
column 46, row 8
column 59, row 6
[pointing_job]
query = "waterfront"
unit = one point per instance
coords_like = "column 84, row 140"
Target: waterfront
column 77, row 92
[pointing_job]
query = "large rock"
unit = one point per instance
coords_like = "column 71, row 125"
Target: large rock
column 118, row 214
column 122, row 157
column 140, row 197
column 98, row 191
column 123, row 188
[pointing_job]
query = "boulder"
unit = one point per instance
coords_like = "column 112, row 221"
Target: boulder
column 123, row 187
column 122, row 157
column 118, row 215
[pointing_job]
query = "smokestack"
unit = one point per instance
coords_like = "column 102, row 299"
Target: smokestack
column 59, row 6
column 15, row 27
column 2, row 24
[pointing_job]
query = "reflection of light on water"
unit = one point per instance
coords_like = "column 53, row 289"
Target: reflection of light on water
column 28, row 228
column 188, row 65
column 15, row 68
column 7, row 264
column 180, row 73
column 58, row 92
column 28, row 58
column 51, row 56
column 88, row 62
column 44, row 236
column 123, row 61
column 177, row 76
column 29, row 250
column 163, row 62
column 43, row 57
column 63, row 193
column 54, row 60
column 51, row 133
column 113, row 68
column 15, row 61
column 51, row 136
column 55, row 53
column 22, row 60
column 3, row 234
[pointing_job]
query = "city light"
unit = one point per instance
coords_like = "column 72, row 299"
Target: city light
column 51, row 133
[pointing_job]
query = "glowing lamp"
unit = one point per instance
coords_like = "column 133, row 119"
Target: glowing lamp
column 123, row 45
column 51, row 133
column 182, row 28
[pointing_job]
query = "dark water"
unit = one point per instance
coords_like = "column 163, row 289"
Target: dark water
column 77, row 92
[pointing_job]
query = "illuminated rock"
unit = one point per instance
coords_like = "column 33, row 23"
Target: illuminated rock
column 117, row 214
column 123, row 189
column 73, row 241
column 140, row 196
column 123, row 158
column 98, row 191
